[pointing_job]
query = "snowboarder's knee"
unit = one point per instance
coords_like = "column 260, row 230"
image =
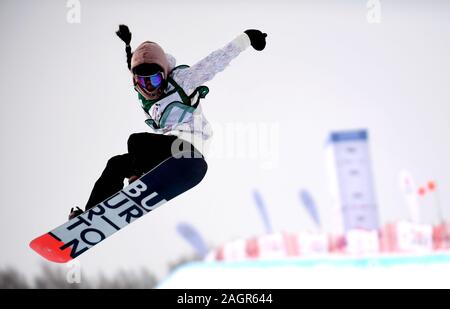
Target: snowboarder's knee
column 133, row 137
column 134, row 140
column 115, row 162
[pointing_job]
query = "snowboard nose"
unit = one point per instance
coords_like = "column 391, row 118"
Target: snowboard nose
column 48, row 247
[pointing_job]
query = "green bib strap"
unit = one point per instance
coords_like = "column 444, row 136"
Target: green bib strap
column 202, row 92
column 186, row 101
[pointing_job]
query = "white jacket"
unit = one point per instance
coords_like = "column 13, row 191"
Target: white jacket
column 197, row 131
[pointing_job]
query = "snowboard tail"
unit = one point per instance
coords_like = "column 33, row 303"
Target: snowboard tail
column 169, row 179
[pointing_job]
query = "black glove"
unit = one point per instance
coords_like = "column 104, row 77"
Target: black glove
column 257, row 38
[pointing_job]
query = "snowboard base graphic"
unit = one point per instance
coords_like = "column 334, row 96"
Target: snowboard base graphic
column 169, row 179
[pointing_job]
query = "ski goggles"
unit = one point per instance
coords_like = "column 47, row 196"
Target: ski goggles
column 150, row 82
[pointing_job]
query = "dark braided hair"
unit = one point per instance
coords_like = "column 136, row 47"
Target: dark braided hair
column 125, row 35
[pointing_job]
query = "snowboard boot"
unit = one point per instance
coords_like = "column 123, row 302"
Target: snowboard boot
column 75, row 212
column 133, row 179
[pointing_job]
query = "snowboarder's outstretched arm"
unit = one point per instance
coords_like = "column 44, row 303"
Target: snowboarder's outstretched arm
column 205, row 70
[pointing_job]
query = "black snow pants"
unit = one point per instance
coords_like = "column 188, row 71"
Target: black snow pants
column 145, row 151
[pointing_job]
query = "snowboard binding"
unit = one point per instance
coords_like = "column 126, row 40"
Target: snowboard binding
column 75, row 212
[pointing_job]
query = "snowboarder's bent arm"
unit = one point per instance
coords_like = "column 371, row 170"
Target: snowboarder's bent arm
column 208, row 67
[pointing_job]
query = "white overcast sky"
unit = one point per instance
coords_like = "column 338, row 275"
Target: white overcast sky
column 66, row 106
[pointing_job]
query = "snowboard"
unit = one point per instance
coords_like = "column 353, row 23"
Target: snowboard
column 169, row 179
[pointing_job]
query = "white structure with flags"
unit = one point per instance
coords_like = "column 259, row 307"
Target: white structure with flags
column 352, row 180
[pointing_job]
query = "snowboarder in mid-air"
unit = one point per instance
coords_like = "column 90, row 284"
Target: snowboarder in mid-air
column 169, row 96
column 159, row 165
